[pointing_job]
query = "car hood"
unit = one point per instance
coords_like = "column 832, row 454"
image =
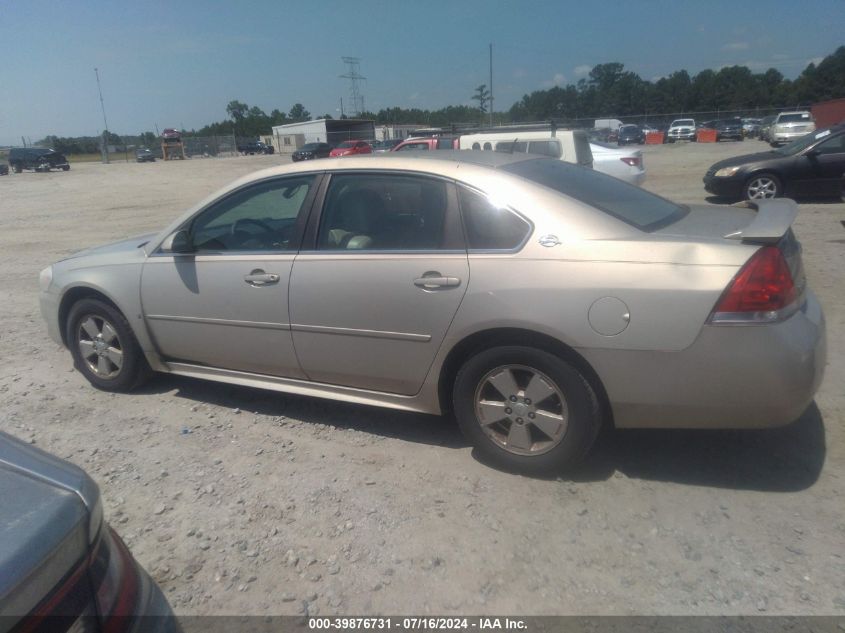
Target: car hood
column 51, row 513
column 129, row 245
column 745, row 159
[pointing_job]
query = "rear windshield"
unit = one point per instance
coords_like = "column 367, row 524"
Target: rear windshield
column 625, row 202
column 310, row 146
column 795, row 118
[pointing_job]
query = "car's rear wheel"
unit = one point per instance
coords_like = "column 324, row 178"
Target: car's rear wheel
column 104, row 348
column 525, row 409
column 762, row 186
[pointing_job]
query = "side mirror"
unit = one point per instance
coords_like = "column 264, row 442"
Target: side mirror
column 813, row 152
column 178, row 242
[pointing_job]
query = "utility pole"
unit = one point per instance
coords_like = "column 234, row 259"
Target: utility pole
column 105, row 149
column 491, row 84
column 354, row 77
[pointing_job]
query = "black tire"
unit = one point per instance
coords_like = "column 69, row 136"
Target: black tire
column 65, row 167
column 583, row 413
column 756, row 181
column 133, row 370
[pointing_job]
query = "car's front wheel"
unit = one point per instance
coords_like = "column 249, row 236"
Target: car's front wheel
column 104, row 348
column 525, row 409
column 762, row 186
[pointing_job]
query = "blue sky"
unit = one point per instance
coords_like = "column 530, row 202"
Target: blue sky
column 178, row 63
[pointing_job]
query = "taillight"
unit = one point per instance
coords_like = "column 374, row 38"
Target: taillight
column 633, row 161
column 762, row 292
column 114, row 579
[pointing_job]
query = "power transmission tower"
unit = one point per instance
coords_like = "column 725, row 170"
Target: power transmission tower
column 354, row 77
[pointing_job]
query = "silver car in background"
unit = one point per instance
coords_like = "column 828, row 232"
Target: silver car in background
column 625, row 163
column 535, row 299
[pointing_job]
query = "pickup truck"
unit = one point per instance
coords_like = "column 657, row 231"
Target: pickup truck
column 255, row 147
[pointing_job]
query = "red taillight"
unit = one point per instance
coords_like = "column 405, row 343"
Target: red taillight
column 115, row 580
column 633, row 161
column 764, row 285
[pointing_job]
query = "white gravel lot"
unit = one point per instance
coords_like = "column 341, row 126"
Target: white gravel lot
column 274, row 504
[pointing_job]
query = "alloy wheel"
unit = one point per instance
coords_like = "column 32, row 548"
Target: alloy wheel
column 521, row 410
column 762, row 187
column 100, row 346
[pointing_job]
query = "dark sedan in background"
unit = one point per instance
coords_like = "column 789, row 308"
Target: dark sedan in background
column 144, row 155
column 62, row 568
column 310, row 151
column 729, row 129
column 813, row 165
column 631, row 134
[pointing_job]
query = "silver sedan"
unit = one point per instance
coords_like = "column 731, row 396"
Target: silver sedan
column 534, row 299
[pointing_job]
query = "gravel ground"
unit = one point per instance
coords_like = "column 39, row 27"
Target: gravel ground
column 240, row 501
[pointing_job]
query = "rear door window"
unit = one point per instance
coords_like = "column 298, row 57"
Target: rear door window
column 489, row 227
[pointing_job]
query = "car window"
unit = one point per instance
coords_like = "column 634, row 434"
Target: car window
column 383, row 212
column 260, row 218
column 445, row 143
column 489, row 227
column 629, row 203
column 413, row 147
column 836, row 145
column 546, row 148
column 797, row 117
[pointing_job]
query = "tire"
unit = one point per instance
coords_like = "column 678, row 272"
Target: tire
column 563, row 400
column 66, row 168
column 113, row 360
column 762, row 186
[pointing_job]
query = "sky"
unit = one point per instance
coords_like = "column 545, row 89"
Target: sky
column 178, row 63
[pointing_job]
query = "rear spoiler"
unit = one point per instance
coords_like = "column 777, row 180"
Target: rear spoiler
column 774, row 217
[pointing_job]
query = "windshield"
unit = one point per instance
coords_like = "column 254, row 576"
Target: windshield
column 683, row 122
column 311, row 146
column 347, row 144
column 802, row 143
column 625, row 202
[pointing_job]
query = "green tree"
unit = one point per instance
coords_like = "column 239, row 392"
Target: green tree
column 299, row 113
column 482, row 95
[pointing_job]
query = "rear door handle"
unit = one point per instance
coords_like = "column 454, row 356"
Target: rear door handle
column 429, row 283
column 260, row 278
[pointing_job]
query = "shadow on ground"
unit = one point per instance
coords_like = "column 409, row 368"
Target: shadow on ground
column 800, row 200
column 786, row 459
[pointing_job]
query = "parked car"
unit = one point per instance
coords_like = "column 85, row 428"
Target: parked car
column 144, row 155
column 729, row 129
column 4, row 169
column 350, row 148
column 766, row 128
column 386, row 145
column 629, row 134
column 811, row 166
column 428, row 143
column 536, row 299
column 36, row 159
column 751, row 127
column 255, row 147
column 625, row 164
column 62, row 567
column 571, row 146
column 310, row 151
column 681, row 130
column 789, row 126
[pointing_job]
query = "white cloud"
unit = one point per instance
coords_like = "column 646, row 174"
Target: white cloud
column 519, row 72
column 414, row 96
column 584, row 69
column 557, row 80
column 735, row 46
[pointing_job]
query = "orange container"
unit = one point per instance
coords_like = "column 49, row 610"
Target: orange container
column 654, row 138
column 706, row 136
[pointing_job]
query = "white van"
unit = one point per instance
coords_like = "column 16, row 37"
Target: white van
column 571, row 146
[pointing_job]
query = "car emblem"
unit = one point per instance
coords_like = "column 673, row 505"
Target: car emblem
column 549, row 240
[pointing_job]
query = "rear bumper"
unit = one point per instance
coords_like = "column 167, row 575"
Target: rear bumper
column 732, row 377
column 153, row 614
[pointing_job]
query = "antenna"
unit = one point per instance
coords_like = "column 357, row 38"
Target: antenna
column 105, row 149
column 354, row 77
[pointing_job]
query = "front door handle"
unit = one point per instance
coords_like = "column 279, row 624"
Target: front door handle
column 259, row 278
column 432, row 282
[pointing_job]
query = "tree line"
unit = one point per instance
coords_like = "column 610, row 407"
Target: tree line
column 608, row 91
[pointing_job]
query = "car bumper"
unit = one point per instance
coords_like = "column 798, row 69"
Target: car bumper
column 153, row 613
column 49, row 304
column 724, row 187
column 787, row 137
column 732, row 377
column 681, row 136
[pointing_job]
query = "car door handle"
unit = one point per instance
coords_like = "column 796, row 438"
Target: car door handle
column 260, row 278
column 429, row 283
